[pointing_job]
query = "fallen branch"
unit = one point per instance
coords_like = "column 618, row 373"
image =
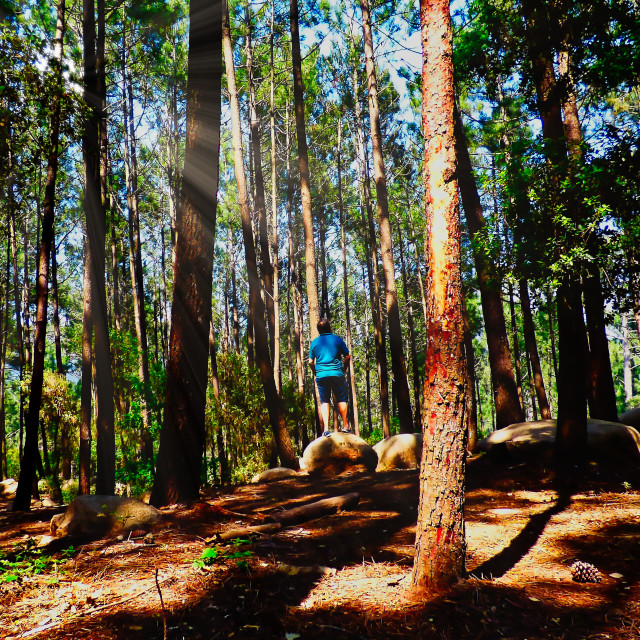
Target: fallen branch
column 244, row 532
column 289, row 517
column 315, row 509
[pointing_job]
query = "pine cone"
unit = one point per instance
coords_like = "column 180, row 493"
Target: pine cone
column 585, row 572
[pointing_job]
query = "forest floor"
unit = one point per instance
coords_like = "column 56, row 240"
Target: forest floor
column 346, row 576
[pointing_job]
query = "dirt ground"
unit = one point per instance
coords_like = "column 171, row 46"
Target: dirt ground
column 345, row 576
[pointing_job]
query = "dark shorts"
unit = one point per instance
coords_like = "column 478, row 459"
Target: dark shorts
column 337, row 384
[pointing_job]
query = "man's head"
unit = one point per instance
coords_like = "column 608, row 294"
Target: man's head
column 324, row 326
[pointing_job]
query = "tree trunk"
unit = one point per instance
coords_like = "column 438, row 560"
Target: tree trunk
column 275, row 347
column 276, row 416
column 516, row 349
column 4, row 332
column 532, row 351
column 86, row 411
column 303, row 163
column 440, row 539
column 472, row 397
column 505, row 391
column 183, row 430
column 371, row 250
column 386, row 242
column 571, row 433
column 345, row 286
column 266, row 269
column 22, row 500
column 417, row 420
column 218, row 437
column 135, row 254
column 627, row 373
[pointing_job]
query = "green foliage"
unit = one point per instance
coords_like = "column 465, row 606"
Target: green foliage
column 219, row 555
column 137, row 475
column 27, row 560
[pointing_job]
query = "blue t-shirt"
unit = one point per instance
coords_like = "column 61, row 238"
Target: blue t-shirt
column 327, row 350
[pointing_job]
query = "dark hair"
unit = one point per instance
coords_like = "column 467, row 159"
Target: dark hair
column 324, row 326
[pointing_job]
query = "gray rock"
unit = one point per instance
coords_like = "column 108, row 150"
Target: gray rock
column 341, row 453
column 270, row 475
column 102, row 515
column 631, row 418
column 402, row 451
column 525, row 440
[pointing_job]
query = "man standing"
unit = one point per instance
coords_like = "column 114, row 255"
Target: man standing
column 328, row 357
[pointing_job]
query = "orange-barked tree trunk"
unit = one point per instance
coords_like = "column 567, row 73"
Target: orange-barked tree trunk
column 440, row 537
column 182, row 438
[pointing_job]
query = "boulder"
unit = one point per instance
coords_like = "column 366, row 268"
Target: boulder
column 102, row 515
column 341, row 453
column 8, row 488
column 525, row 440
column 631, row 418
column 270, row 475
column 402, row 451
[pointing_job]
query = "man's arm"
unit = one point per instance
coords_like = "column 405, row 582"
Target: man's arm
column 345, row 362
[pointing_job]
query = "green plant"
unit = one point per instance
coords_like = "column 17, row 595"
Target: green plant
column 27, row 560
column 215, row 555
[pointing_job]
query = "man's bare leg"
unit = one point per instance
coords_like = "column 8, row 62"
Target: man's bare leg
column 324, row 412
column 343, row 408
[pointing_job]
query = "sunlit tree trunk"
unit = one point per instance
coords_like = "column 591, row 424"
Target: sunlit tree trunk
column 440, row 537
column 182, row 436
column 627, row 373
column 398, row 365
column 276, row 416
column 86, row 395
column 505, row 391
column 4, row 324
column 22, row 500
column 472, row 396
column 515, row 341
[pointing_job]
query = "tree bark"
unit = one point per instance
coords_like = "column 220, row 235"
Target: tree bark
column 345, row 286
column 303, row 164
column 516, row 349
column 440, row 539
column 274, row 405
column 86, row 396
column 505, row 392
column 28, row 464
column 371, row 250
column 532, row 351
column 135, row 253
column 182, row 436
column 386, row 241
column 4, row 332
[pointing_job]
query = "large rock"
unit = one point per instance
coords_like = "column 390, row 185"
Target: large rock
column 403, row 451
column 277, row 473
column 632, row 418
column 101, row 515
column 608, row 440
column 8, row 488
column 341, row 453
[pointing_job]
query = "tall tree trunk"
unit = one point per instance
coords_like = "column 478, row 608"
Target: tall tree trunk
column 275, row 347
column 234, row 293
column 217, row 436
column 274, row 404
column 516, row 348
column 22, row 500
column 386, row 242
column 505, row 391
column 472, row 396
column 371, row 250
column 303, row 164
column 182, row 436
column 627, row 373
column 345, row 286
column 571, row 432
column 417, row 420
column 440, row 538
column 4, row 334
column 532, row 351
column 86, row 410
column 135, row 253
column 266, row 268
